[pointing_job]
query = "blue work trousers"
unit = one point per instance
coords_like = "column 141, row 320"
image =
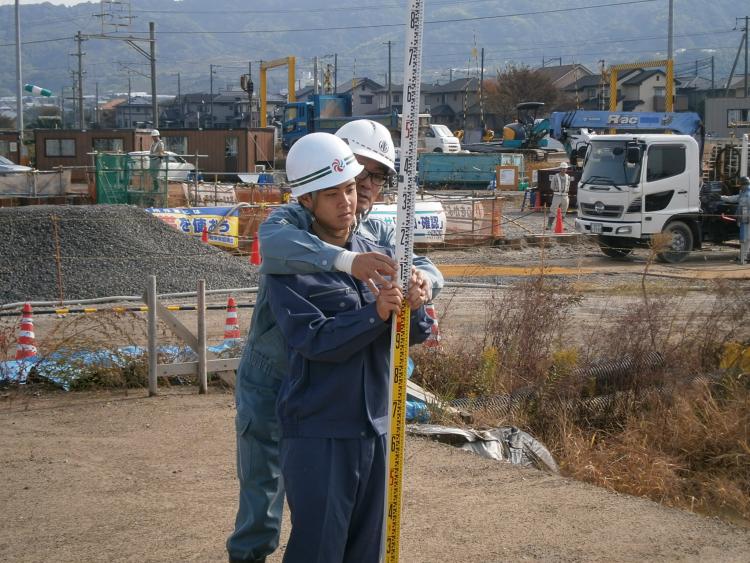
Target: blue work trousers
column 261, row 499
column 335, row 489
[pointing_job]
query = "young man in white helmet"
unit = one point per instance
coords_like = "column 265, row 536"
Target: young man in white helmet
column 560, row 184
column 289, row 247
column 333, row 402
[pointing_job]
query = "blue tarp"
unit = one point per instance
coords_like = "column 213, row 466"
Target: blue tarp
column 62, row 367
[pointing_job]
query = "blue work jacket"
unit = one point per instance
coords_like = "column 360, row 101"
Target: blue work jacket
column 339, row 353
column 288, row 247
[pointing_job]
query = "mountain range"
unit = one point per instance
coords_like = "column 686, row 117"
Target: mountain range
column 195, row 38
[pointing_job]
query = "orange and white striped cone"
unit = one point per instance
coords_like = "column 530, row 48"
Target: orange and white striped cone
column 26, row 347
column 433, row 341
column 232, row 325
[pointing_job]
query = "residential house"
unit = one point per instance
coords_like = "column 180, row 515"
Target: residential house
column 563, row 76
column 397, row 103
column 737, row 88
column 589, row 92
column 364, row 92
column 637, row 90
column 137, row 112
column 455, row 104
column 108, row 113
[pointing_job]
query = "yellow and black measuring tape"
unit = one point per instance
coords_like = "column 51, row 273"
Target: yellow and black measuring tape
column 407, row 189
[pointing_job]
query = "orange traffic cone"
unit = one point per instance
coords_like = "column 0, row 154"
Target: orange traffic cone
column 559, row 227
column 255, row 258
column 26, row 347
column 204, row 234
column 538, row 200
column 433, row 341
column 232, row 325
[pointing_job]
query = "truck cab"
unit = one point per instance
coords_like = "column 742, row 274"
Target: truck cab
column 438, row 138
column 321, row 112
column 634, row 187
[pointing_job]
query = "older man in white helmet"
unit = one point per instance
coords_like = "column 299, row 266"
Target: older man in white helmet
column 156, row 152
column 289, row 247
column 333, row 402
column 560, row 184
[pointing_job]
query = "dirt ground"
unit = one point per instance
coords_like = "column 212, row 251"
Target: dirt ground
column 123, row 477
column 118, row 476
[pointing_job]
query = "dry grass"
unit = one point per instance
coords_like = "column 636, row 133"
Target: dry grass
column 676, row 431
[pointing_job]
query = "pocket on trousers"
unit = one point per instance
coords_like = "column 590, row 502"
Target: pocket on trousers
column 258, row 416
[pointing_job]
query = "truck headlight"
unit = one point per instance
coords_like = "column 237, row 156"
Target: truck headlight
column 624, row 230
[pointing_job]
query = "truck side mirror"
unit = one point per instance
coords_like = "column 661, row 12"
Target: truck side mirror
column 581, row 151
column 633, row 154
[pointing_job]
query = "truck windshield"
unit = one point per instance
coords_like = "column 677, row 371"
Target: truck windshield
column 606, row 165
column 442, row 130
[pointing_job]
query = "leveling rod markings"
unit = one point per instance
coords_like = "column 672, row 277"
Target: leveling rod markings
column 405, row 213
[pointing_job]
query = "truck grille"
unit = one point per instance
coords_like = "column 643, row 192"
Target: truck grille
column 605, row 211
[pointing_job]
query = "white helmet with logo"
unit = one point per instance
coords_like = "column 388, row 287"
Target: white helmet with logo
column 370, row 139
column 319, row 161
column 155, row 133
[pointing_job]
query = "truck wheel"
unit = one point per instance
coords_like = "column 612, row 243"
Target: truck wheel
column 438, row 150
column 615, row 247
column 680, row 245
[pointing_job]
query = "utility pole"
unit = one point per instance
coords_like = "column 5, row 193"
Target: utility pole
column 315, row 75
column 130, row 109
column 390, row 82
column 670, row 31
column 481, row 92
column 211, row 86
column 712, row 74
column 96, row 106
column 152, row 57
column 79, row 54
column 746, row 21
column 179, row 101
column 335, row 73
column 19, row 91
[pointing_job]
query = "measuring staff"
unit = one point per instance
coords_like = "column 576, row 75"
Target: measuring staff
column 407, row 189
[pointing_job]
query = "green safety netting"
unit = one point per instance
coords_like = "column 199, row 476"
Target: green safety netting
column 121, row 178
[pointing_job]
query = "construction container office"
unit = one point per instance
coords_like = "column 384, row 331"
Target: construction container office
column 225, row 150
column 9, row 146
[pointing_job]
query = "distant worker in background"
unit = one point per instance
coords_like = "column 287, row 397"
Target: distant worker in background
column 560, row 184
column 743, row 218
column 156, row 152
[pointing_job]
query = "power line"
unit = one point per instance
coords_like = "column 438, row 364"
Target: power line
column 373, row 26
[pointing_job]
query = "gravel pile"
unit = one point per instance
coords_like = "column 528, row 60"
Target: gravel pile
column 105, row 250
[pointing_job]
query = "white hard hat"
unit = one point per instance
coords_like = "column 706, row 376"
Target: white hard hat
column 370, row 139
column 563, row 165
column 155, row 133
column 319, row 161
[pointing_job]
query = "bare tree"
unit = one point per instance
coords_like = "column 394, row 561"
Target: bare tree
column 518, row 84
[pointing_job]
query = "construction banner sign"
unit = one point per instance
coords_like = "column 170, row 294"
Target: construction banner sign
column 221, row 223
